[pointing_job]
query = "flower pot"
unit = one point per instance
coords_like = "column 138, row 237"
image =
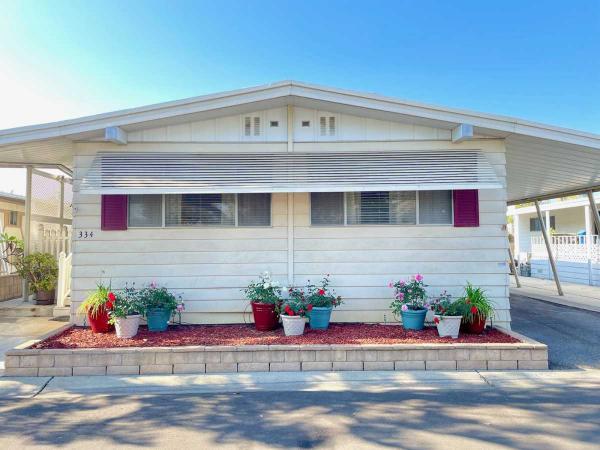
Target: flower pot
column 448, row 325
column 127, row 327
column 413, row 319
column 158, row 319
column 477, row 326
column 44, row 297
column 99, row 322
column 293, row 325
column 265, row 316
column 319, row 317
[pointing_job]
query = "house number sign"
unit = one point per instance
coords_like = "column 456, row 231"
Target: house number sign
column 85, row 234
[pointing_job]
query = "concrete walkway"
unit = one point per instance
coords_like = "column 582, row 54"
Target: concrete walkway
column 576, row 295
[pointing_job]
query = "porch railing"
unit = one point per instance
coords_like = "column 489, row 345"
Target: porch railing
column 63, row 290
column 52, row 244
column 581, row 249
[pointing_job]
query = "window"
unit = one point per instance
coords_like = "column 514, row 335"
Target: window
column 145, row 210
column 13, row 218
column 327, row 208
column 252, row 126
column 383, row 207
column 274, row 123
column 306, row 123
column 534, row 223
column 327, row 125
column 190, row 210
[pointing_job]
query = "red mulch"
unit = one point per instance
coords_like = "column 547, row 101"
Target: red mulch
column 208, row 335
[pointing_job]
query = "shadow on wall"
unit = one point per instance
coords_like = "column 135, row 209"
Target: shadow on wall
column 421, row 419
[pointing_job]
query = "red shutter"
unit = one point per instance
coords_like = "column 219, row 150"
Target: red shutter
column 466, row 208
column 114, row 212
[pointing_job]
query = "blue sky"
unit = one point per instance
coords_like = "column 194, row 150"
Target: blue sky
column 530, row 59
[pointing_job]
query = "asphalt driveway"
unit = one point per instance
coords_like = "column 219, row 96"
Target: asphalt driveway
column 572, row 335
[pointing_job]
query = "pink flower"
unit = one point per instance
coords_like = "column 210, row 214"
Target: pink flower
column 181, row 307
column 390, row 284
column 402, row 282
column 404, row 308
column 401, row 295
column 419, row 277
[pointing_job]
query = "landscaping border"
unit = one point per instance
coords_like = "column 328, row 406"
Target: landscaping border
column 525, row 355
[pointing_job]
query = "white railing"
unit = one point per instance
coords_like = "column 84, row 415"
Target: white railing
column 63, row 290
column 52, row 244
column 568, row 248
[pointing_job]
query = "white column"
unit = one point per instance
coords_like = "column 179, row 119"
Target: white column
column 589, row 231
column 27, row 225
column 517, row 235
column 548, row 221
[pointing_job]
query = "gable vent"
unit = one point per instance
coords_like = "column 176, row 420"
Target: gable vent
column 256, row 126
column 327, row 125
column 252, row 126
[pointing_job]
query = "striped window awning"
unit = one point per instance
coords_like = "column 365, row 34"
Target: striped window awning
column 176, row 173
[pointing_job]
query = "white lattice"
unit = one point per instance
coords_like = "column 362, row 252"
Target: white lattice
column 568, row 248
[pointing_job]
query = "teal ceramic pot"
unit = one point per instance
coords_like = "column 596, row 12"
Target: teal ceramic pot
column 414, row 319
column 319, row 318
column 158, row 319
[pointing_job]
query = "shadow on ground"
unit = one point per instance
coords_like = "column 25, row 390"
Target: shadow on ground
column 421, row 419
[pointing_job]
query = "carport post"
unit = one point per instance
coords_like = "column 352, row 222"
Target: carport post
column 594, row 209
column 548, row 248
column 27, row 226
column 513, row 268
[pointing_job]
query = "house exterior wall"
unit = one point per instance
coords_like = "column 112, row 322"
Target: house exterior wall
column 6, row 206
column 209, row 266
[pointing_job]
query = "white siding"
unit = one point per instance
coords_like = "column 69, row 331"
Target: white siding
column 209, row 266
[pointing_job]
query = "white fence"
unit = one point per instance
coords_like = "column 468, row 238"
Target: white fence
column 53, row 244
column 63, row 290
column 577, row 258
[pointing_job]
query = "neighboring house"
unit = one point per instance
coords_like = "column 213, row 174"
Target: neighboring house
column 573, row 235
column 12, row 214
column 202, row 195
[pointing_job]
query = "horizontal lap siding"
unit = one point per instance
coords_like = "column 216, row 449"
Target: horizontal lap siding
column 210, row 266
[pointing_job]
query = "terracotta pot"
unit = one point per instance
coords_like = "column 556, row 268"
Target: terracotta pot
column 99, row 322
column 44, row 297
column 477, row 326
column 265, row 317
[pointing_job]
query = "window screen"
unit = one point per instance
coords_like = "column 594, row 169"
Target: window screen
column 327, row 208
column 396, row 208
column 145, row 210
column 254, row 210
column 435, row 207
column 534, row 223
column 200, row 209
column 13, row 218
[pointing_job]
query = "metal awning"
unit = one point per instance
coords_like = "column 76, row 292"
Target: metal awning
column 175, row 173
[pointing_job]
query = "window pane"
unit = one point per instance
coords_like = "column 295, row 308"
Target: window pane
column 145, row 210
column 368, row 207
column 200, row 209
column 327, row 208
column 435, row 207
column 403, row 207
column 254, row 210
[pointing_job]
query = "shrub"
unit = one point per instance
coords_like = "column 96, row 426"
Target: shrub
column 154, row 297
column 265, row 290
column 126, row 303
column 475, row 304
column 320, row 296
column 40, row 270
column 98, row 300
column 409, row 295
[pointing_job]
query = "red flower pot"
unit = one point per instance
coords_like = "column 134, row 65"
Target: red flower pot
column 477, row 326
column 265, row 317
column 99, row 322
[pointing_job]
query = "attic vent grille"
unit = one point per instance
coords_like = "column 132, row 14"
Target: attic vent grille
column 203, row 173
column 327, row 125
column 252, row 126
column 256, row 126
column 247, row 126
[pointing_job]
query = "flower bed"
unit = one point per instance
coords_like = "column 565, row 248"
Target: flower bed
column 238, row 335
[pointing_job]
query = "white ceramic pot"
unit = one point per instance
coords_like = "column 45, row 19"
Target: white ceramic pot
column 127, row 327
column 293, row 325
column 448, row 325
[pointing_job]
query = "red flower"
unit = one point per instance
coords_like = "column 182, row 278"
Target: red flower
column 289, row 311
column 111, row 297
column 436, row 320
column 111, row 300
column 321, row 292
column 309, row 308
column 473, row 309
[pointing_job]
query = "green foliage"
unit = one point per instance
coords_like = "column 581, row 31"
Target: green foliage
column 475, row 304
column 296, row 305
column 264, row 290
column 127, row 303
column 12, row 248
column 95, row 301
column 154, row 297
column 40, row 270
column 445, row 306
column 320, row 296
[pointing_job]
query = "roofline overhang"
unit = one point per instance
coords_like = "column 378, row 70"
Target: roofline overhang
column 503, row 125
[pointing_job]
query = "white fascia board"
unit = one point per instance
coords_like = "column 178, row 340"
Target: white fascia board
column 291, row 88
column 552, row 206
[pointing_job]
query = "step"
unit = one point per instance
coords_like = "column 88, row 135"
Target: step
column 19, row 308
column 61, row 311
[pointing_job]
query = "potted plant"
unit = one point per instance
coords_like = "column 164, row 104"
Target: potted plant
column 96, row 307
column 124, row 314
column 265, row 298
column 158, row 305
column 294, row 313
column 476, row 309
column 41, row 271
column 410, row 302
column 447, row 315
column 323, row 301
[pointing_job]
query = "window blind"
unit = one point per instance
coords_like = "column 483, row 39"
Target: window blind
column 327, row 208
column 145, row 210
column 254, row 210
column 200, row 209
column 435, row 207
column 397, row 208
